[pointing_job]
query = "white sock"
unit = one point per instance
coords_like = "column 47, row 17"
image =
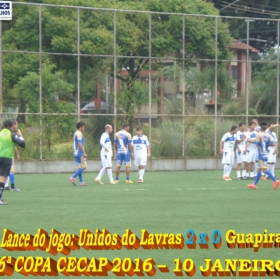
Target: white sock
column 110, row 174
column 229, row 169
column 262, row 173
column 101, row 173
column 251, row 174
column 238, row 173
column 225, row 170
column 247, row 174
column 244, row 173
column 7, row 182
column 272, row 168
column 141, row 173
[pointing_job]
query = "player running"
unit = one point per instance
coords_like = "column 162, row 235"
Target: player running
column 241, row 149
column 106, row 156
column 227, row 145
column 252, row 151
column 141, row 149
column 79, row 154
column 262, row 141
column 10, row 136
column 123, row 149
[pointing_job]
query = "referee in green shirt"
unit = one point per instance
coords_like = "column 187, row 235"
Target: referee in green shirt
column 10, row 136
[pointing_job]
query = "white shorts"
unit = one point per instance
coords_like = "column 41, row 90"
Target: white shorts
column 106, row 161
column 251, row 156
column 228, row 158
column 271, row 157
column 140, row 161
column 240, row 157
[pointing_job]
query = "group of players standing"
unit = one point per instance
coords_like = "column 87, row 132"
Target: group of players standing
column 126, row 147
column 255, row 148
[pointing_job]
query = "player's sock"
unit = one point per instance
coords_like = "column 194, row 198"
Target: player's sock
column 225, row 170
column 12, row 179
column 272, row 169
column 270, row 175
column 141, row 173
column 101, row 173
column 117, row 177
column 127, row 178
column 238, row 173
column 247, row 174
column 2, row 186
column 79, row 171
column 229, row 169
column 252, row 174
column 259, row 175
column 244, row 173
column 81, row 177
column 7, row 182
column 110, row 174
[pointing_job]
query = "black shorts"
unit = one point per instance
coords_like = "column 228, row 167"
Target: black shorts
column 5, row 166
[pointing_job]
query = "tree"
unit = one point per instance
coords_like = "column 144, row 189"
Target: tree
column 55, row 91
column 264, row 32
column 264, row 86
column 97, row 37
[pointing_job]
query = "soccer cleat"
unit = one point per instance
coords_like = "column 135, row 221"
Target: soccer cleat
column 275, row 184
column 83, row 184
column 252, row 186
column 263, row 178
column 2, row 202
column 116, row 181
column 227, row 178
column 113, row 182
column 140, row 181
column 72, row 180
column 98, row 181
column 7, row 188
column 128, row 182
column 15, row 189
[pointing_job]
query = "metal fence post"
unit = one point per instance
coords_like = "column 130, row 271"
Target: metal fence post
column 40, row 82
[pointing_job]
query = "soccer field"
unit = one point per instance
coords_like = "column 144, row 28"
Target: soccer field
column 168, row 202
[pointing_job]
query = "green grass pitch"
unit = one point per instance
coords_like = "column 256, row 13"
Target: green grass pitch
column 168, row 202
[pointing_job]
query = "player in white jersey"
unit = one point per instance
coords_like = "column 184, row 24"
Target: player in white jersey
column 241, row 147
column 227, row 145
column 106, row 154
column 141, row 150
column 272, row 149
column 252, row 151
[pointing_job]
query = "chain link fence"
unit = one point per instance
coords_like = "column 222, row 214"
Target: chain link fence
column 185, row 78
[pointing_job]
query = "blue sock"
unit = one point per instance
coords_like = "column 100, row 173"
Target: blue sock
column 127, row 178
column 117, row 177
column 12, row 178
column 259, row 175
column 81, row 177
column 267, row 172
column 78, row 172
